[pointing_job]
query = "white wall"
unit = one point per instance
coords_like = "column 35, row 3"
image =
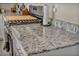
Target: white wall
column 51, row 13
column 67, row 12
column 6, row 6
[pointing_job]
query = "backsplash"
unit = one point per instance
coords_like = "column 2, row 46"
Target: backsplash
column 73, row 28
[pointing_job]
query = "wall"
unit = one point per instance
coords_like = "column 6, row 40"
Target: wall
column 67, row 12
column 6, row 6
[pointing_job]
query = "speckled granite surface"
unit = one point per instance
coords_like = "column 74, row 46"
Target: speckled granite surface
column 36, row 38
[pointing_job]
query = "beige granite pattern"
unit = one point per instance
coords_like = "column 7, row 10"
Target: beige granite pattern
column 36, row 38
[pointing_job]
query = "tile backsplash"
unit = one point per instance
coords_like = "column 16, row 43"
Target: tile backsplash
column 73, row 28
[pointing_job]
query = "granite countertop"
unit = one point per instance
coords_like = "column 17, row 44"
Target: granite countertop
column 36, row 38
